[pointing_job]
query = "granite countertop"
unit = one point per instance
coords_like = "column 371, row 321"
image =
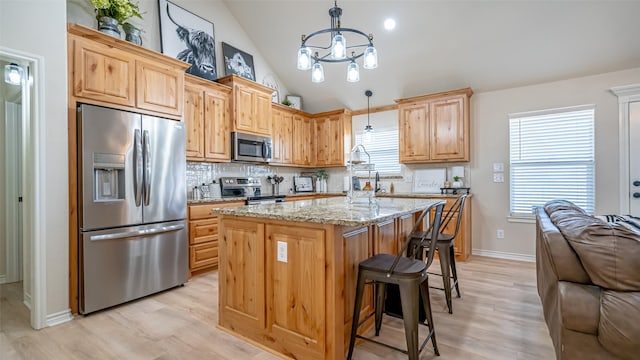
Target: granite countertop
column 294, row 195
column 334, row 210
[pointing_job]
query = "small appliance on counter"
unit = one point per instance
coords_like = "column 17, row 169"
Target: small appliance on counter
column 303, row 184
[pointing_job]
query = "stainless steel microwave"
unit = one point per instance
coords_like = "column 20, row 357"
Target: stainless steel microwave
column 250, row 148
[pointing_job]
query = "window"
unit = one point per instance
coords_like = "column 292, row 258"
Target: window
column 383, row 150
column 552, row 157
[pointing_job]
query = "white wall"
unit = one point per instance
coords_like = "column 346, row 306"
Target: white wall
column 490, row 143
column 39, row 27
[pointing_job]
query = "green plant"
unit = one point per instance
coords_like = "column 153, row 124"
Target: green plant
column 456, row 178
column 121, row 10
column 322, row 174
column 286, row 102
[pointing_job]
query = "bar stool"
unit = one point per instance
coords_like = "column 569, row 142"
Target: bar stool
column 446, row 255
column 410, row 274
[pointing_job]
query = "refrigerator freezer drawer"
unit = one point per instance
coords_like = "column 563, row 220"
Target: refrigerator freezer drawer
column 119, row 265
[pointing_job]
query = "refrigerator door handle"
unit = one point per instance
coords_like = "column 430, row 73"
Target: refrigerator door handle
column 137, row 173
column 137, row 233
column 147, row 167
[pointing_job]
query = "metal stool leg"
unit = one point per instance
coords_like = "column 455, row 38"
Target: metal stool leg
column 356, row 313
column 381, row 289
column 410, row 304
column 444, row 253
column 454, row 273
column 426, row 301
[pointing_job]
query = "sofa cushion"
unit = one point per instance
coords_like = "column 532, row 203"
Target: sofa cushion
column 609, row 252
column 556, row 205
column 619, row 329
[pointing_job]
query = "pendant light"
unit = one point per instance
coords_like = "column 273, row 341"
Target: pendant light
column 353, row 72
column 367, row 137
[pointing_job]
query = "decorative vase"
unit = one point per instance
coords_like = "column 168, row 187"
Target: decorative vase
column 132, row 34
column 109, row 25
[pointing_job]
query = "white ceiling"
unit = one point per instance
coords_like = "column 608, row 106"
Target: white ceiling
column 444, row 45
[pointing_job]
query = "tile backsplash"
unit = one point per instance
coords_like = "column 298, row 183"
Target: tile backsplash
column 202, row 172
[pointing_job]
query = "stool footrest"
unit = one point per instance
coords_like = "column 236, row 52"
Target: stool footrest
column 424, row 343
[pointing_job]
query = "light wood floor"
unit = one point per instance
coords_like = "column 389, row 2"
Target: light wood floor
column 498, row 317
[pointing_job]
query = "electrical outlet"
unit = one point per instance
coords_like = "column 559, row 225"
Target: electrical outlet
column 500, row 234
column 282, row 251
column 498, row 167
column 498, row 177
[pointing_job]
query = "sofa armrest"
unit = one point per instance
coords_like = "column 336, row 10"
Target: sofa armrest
column 580, row 307
column 553, row 250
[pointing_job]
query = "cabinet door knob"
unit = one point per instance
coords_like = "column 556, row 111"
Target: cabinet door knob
column 636, row 183
column 636, row 195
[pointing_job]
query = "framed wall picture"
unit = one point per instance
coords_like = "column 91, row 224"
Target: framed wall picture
column 238, row 62
column 188, row 37
column 296, row 101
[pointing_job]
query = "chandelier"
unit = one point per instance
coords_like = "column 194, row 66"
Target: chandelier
column 314, row 51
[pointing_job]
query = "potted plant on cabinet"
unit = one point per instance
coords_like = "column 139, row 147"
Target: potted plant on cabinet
column 111, row 13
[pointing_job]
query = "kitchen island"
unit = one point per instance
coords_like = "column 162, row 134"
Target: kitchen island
column 288, row 271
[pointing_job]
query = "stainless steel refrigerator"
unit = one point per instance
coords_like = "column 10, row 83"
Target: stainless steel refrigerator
column 132, row 206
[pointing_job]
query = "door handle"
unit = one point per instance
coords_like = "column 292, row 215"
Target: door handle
column 636, row 183
column 636, row 195
column 137, row 167
column 147, row 167
column 137, row 233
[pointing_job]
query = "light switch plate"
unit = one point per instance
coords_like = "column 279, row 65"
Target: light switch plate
column 282, row 251
column 498, row 167
column 498, row 177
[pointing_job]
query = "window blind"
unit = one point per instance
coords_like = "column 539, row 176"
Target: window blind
column 383, row 150
column 552, row 157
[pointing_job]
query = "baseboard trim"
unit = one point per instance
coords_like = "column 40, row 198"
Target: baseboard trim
column 3, row 278
column 59, row 317
column 26, row 300
column 504, row 255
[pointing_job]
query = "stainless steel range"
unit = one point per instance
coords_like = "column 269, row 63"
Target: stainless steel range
column 247, row 187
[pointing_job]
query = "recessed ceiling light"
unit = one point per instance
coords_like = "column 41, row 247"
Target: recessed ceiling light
column 389, row 24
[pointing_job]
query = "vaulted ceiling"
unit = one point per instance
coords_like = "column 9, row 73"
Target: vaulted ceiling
column 444, row 45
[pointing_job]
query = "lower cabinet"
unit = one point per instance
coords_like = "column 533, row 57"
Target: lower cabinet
column 203, row 236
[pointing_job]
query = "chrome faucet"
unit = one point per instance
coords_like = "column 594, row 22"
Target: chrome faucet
column 377, row 185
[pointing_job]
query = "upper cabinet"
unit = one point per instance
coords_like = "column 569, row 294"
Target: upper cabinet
column 303, row 144
column 250, row 105
column 282, row 135
column 108, row 71
column 206, row 114
column 435, row 128
column 333, row 137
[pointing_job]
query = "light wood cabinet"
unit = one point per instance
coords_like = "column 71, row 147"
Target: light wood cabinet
column 332, row 137
column 435, row 128
column 303, row 145
column 250, row 105
column 204, row 236
column 102, row 72
column 206, row 114
column 242, row 275
column 159, row 88
column 296, row 288
column 282, row 136
column 109, row 71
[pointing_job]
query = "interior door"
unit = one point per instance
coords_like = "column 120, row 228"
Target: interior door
column 634, row 160
column 165, row 193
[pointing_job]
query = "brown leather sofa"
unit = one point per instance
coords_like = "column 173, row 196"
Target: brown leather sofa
column 588, row 274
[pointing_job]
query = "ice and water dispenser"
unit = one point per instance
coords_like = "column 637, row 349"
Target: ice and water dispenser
column 108, row 177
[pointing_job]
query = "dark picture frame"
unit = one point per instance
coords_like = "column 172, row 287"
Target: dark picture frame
column 188, row 37
column 238, row 62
